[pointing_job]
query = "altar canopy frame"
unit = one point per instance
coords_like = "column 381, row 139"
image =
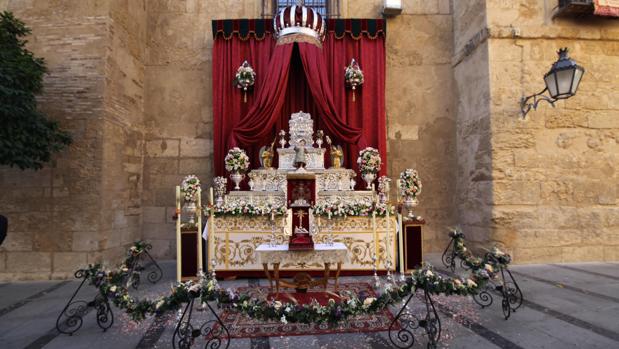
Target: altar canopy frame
column 298, row 76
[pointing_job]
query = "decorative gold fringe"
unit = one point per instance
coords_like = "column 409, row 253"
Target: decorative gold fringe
column 288, row 39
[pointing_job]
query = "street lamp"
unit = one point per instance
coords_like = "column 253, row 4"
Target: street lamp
column 561, row 82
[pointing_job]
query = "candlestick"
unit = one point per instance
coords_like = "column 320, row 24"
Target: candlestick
column 178, row 233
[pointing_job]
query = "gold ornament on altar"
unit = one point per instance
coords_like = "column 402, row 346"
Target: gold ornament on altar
column 266, row 155
column 353, row 76
column 245, row 78
column 336, row 153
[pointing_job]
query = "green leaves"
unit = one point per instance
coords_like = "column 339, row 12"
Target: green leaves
column 27, row 137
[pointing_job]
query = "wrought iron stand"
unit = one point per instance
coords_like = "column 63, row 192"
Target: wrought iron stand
column 136, row 268
column 214, row 331
column 71, row 318
column 508, row 289
column 449, row 256
column 404, row 337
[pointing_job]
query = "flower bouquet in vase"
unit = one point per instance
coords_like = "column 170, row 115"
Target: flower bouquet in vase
column 410, row 188
column 353, row 76
column 369, row 164
column 189, row 189
column 237, row 163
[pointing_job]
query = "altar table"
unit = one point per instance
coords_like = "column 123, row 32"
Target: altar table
column 326, row 254
column 232, row 243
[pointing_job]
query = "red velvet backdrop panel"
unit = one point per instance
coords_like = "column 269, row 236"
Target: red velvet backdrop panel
column 366, row 113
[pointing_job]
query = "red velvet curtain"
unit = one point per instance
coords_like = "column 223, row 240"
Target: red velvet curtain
column 297, row 77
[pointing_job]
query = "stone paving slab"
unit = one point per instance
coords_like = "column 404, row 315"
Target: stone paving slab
column 546, row 321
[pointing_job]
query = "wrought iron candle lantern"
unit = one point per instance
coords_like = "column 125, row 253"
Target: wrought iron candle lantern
column 561, row 82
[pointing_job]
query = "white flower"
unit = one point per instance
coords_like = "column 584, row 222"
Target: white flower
column 277, row 305
column 471, row 283
column 283, row 319
column 458, row 283
column 159, row 304
column 194, row 288
column 489, row 268
column 287, row 309
column 429, row 273
column 113, row 288
column 368, row 301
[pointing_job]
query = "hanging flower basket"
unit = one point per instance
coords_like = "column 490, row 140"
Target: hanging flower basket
column 353, row 76
column 245, row 79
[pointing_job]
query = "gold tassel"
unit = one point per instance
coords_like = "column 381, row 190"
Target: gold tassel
column 353, row 95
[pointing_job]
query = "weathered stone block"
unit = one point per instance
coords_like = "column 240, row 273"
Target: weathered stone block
column 196, row 148
column 28, row 262
column 163, row 148
column 154, row 214
column 538, row 255
column 17, row 241
column 583, row 254
column 85, row 241
column 69, row 261
column 603, row 120
column 159, row 231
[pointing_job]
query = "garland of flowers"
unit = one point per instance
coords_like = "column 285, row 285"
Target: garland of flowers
column 236, row 160
column 110, row 284
column 244, row 209
column 339, row 209
column 369, row 160
column 189, row 187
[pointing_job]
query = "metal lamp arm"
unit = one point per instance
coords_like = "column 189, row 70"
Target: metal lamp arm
column 525, row 105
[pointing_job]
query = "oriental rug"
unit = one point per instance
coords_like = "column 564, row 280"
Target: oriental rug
column 241, row 326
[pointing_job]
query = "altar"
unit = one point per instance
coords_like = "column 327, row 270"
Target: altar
column 308, row 199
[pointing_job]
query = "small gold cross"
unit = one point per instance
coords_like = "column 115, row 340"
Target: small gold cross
column 300, row 214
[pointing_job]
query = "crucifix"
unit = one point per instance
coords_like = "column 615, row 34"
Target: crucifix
column 300, row 214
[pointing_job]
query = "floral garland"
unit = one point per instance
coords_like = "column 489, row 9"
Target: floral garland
column 369, row 160
column 492, row 259
column 236, row 160
column 189, row 187
column 339, row 209
column 410, row 184
column 244, row 209
column 110, row 284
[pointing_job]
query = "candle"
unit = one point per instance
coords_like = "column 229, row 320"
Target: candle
column 211, row 196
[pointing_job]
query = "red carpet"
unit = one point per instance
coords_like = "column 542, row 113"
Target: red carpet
column 244, row 327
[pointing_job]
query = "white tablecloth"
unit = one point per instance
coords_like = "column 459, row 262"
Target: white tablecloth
column 322, row 253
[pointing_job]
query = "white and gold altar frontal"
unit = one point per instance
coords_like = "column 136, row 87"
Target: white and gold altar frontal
column 232, row 240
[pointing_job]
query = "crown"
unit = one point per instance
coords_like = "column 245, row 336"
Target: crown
column 299, row 23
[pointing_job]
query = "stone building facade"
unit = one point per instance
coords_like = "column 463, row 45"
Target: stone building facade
column 131, row 79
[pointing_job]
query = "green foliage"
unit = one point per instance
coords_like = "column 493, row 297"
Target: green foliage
column 27, row 137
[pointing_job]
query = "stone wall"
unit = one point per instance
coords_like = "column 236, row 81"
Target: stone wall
column 474, row 153
column 554, row 175
column 85, row 205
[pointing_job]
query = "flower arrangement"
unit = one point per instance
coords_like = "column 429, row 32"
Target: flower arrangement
column 245, row 78
column 353, row 76
column 110, row 284
column 189, row 188
column 236, row 160
column 339, row 209
column 245, row 209
column 369, row 161
column 410, row 184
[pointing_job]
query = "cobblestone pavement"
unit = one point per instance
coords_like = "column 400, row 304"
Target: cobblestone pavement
column 566, row 306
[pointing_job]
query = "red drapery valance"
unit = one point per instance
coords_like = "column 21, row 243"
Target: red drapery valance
column 295, row 77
